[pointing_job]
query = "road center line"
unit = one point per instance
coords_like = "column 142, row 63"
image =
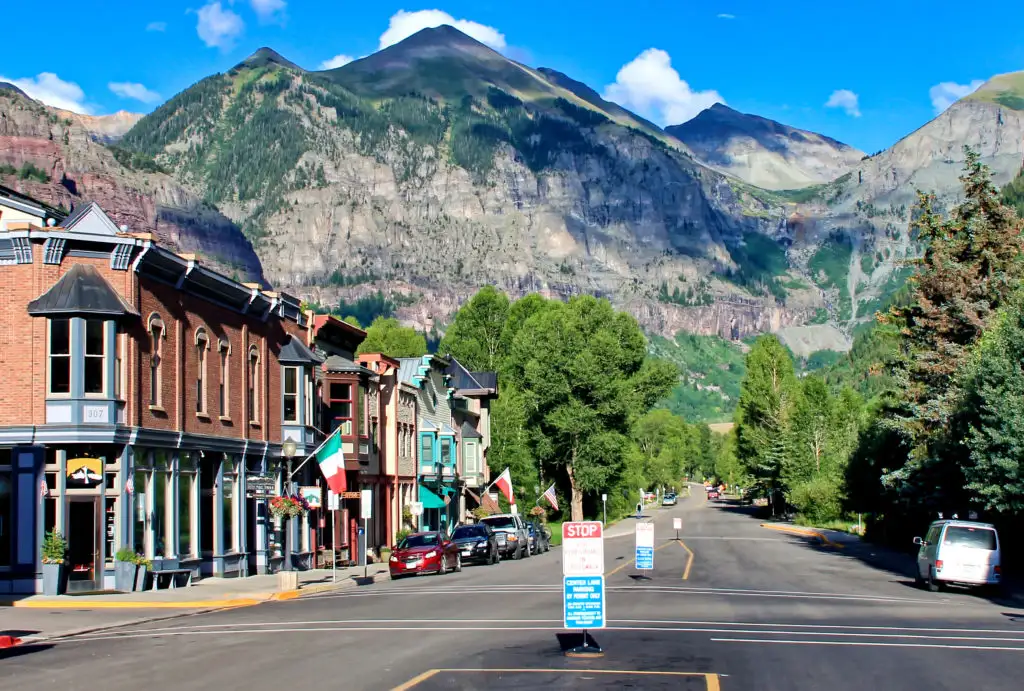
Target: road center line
column 869, row 644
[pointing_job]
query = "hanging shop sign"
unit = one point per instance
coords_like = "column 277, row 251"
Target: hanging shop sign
column 312, row 495
column 260, row 486
column 85, row 472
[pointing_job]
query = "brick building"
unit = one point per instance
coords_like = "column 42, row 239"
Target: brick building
column 139, row 391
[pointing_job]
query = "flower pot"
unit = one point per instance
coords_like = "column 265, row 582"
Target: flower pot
column 140, row 577
column 124, row 576
column 54, row 579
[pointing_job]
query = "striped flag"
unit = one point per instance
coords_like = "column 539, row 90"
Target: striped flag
column 44, row 491
column 549, row 494
column 504, row 483
column 129, row 485
column 332, row 462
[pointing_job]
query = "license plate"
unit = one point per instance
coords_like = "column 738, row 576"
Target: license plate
column 410, row 565
column 465, row 552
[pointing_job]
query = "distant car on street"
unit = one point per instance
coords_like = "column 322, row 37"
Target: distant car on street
column 477, row 543
column 713, row 493
column 517, row 540
column 669, row 499
column 424, row 553
column 540, row 537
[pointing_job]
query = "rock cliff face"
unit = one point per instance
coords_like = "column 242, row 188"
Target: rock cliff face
column 53, row 156
column 442, row 165
column 764, row 152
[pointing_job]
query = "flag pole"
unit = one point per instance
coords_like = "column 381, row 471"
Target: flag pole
column 306, row 459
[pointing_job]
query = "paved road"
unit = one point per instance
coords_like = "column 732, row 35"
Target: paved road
column 731, row 606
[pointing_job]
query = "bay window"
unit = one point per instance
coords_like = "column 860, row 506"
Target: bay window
column 95, row 356
column 340, row 404
column 292, row 379
column 426, row 450
column 363, row 412
column 446, row 450
column 60, row 356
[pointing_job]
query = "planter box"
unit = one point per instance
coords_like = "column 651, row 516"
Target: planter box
column 140, row 577
column 124, row 576
column 54, row 579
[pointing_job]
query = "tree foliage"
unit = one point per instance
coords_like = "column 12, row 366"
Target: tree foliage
column 385, row 335
column 475, row 335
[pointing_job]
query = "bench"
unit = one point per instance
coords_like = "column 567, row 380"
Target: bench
column 171, row 577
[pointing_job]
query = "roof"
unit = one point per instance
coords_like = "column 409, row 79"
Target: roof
column 447, row 431
column 469, row 432
column 427, row 426
column 90, row 219
column 28, row 204
column 487, row 380
column 294, row 351
column 464, row 381
column 408, row 368
column 81, row 291
column 337, row 363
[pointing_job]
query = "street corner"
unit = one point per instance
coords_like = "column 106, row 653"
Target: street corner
column 519, row 678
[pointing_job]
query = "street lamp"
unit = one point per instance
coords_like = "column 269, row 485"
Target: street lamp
column 288, row 451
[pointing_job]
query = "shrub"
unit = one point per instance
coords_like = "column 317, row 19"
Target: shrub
column 55, row 548
column 818, row 499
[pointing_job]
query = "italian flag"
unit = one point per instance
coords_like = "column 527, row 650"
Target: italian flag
column 332, row 462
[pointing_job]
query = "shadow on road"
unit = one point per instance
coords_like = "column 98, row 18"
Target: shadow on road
column 24, row 649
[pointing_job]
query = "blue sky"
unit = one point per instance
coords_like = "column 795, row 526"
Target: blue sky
column 885, row 68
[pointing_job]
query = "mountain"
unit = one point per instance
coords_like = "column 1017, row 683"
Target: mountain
column 438, row 165
column 852, row 235
column 53, row 156
column 7, row 86
column 764, row 152
column 105, row 129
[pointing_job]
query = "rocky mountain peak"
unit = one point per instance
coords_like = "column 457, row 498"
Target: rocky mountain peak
column 266, row 57
column 1006, row 90
column 764, row 152
column 7, row 86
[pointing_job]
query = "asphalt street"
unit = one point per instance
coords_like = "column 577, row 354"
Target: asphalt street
column 730, row 605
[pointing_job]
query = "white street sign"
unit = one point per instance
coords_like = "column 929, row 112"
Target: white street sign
column 582, row 548
column 677, row 524
column 416, row 508
column 333, row 501
column 645, row 535
column 366, row 504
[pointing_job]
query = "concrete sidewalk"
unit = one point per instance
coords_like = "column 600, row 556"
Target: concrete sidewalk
column 35, row 617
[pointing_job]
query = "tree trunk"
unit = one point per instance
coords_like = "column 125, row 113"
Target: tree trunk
column 576, row 503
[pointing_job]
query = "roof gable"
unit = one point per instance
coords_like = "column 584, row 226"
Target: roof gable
column 295, row 352
column 90, row 219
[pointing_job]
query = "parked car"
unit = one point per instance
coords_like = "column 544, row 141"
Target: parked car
column 669, row 499
column 540, row 537
column 424, row 553
column 517, row 540
column 961, row 552
column 476, row 543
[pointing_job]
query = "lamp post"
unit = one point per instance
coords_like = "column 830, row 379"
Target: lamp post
column 288, row 451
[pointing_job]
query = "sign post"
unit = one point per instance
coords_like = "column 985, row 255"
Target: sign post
column 366, row 512
column 604, row 509
column 583, row 601
column 677, row 525
column 333, row 501
column 644, row 547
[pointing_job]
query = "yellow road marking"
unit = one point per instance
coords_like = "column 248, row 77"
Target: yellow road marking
column 711, row 681
column 689, row 562
column 808, row 532
column 620, row 567
column 76, row 603
column 415, row 681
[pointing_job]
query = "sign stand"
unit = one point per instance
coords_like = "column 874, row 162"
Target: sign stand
column 644, row 558
column 366, row 511
column 677, row 524
column 332, row 505
column 583, row 604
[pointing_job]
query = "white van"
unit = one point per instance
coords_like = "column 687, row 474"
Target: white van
column 962, row 552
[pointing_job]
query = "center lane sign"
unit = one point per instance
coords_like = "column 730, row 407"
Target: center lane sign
column 583, row 575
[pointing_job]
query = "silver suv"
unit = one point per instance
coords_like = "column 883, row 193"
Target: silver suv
column 517, row 540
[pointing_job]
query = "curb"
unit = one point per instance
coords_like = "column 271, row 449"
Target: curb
column 93, row 604
column 807, row 532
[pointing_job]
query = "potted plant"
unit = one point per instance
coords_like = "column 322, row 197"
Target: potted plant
column 124, row 569
column 142, row 566
column 288, row 507
column 55, row 550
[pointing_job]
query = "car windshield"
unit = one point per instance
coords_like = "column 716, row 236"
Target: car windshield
column 500, row 522
column 427, row 540
column 469, row 531
column 977, row 538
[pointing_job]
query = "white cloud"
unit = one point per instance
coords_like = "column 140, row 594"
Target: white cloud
column 50, row 89
column 135, row 91
column 218, row 27
column 845, row 99
column 650, row 86
column 945, row 94
column 156, row 26
column 404, row 24
column 269, row 11
column 726, row 15
column 336, row 61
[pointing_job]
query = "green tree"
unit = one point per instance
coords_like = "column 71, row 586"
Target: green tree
column 353, row 321
column 728, row 468
column 385, row 335
column 475, row 335
column 663, row 440
column 763, row 415
column 580, row 365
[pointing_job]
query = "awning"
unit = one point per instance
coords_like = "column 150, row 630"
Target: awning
column 430, row 500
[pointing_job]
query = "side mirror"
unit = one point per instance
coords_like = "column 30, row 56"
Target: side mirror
column 918, row 541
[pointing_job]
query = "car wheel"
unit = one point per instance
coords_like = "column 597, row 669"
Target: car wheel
column 458, row 563
column 395, row 577
column 517, row 553
column 444, row 566
column 933, row 585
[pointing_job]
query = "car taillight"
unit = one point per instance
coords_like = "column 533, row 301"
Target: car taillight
column 938, row 564
column 998, row 570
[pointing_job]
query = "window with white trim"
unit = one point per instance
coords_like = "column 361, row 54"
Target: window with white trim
column 156, row 334
column 291, row 386
column 254, row 384
column 59, row 356
column 94, row 369
column 202, row 346
column 224, row 350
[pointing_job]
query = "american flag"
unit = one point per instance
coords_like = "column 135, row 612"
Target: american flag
column 129, row 485
column 549, row 494
column 44, row 491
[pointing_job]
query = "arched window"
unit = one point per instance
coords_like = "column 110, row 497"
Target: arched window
column 202, row 346
column 224, row 350
column 254, row 384
column 157, row 334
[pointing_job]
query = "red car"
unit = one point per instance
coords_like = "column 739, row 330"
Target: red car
column 424, row 553
column 713, row 493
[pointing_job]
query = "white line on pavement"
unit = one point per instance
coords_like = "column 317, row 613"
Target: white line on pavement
column 869, row 644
